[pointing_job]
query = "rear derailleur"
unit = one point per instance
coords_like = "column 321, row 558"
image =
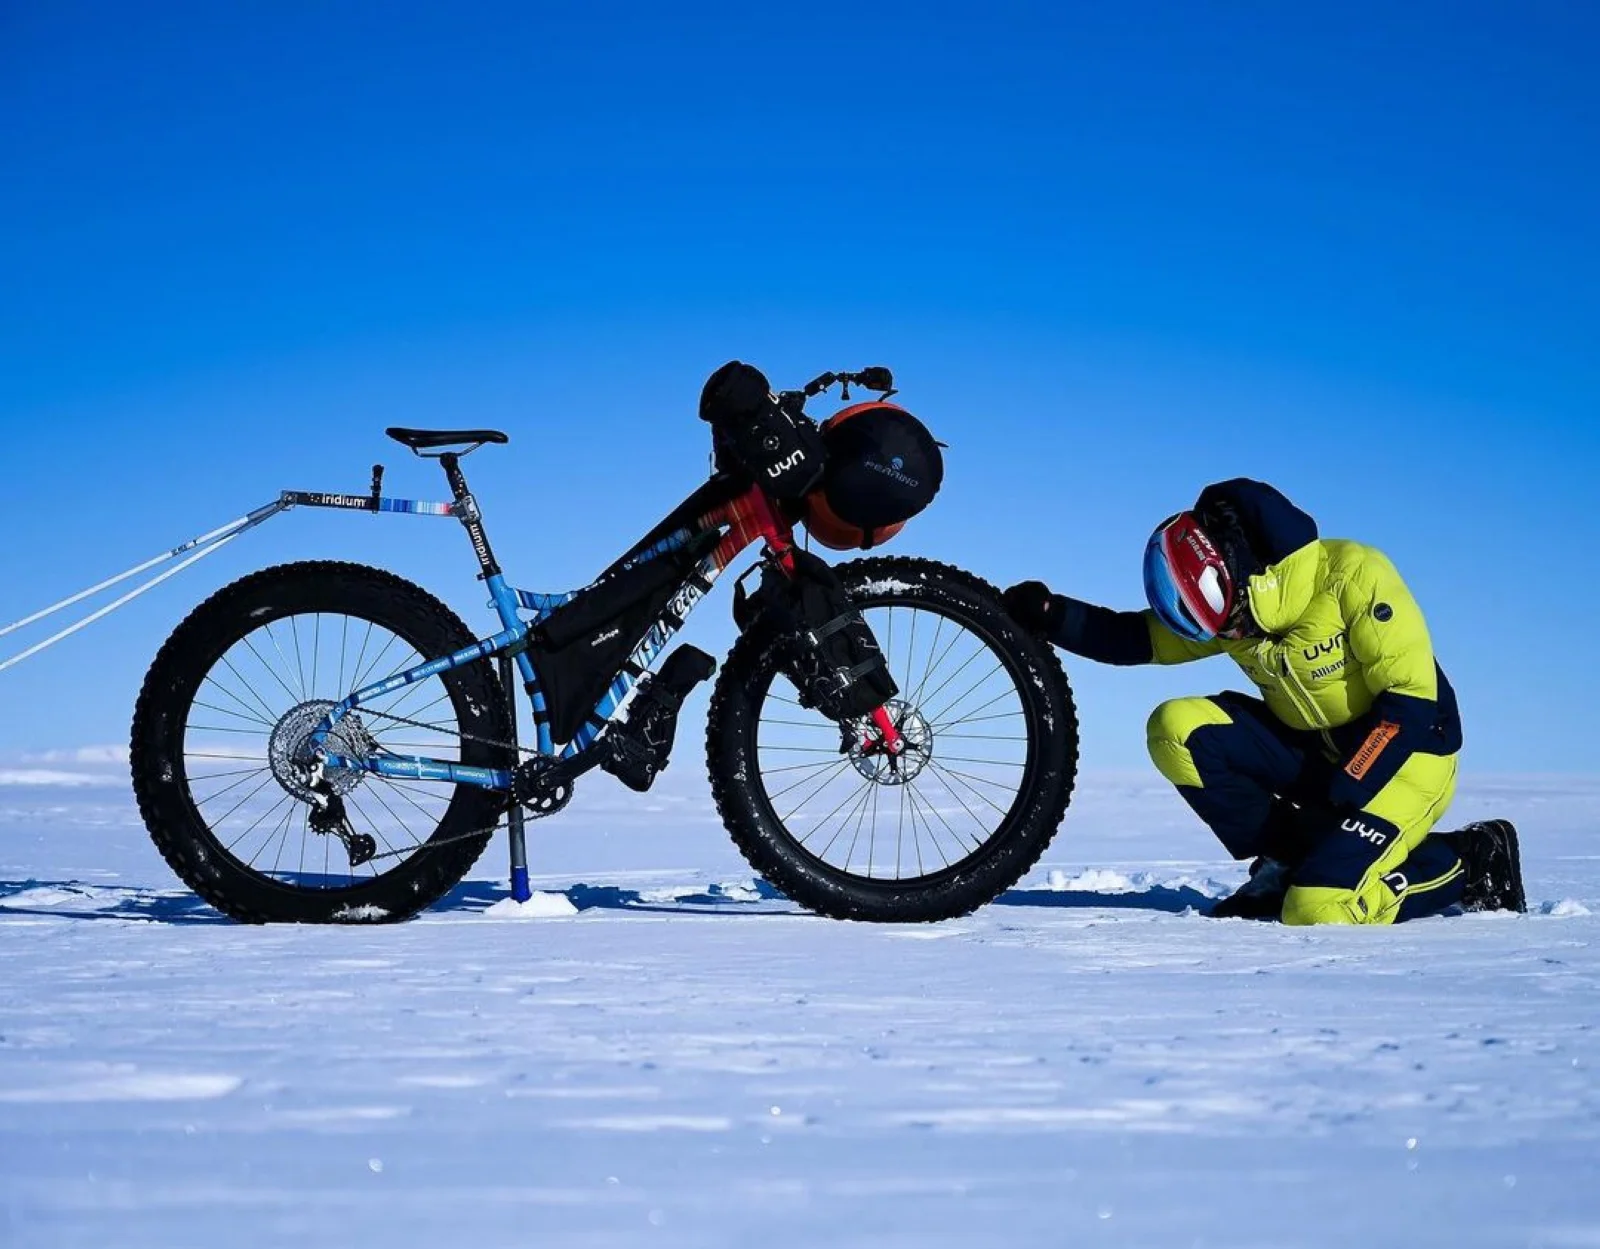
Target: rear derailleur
column 328, row 818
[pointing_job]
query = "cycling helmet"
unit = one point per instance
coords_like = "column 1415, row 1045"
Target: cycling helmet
column 1187, row 579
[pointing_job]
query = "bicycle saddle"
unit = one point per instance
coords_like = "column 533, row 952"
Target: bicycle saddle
column 418, row 439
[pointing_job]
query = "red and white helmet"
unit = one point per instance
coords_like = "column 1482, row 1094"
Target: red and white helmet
column 1187, row 580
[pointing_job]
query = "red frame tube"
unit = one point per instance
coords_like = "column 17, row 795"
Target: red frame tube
column 750, row 518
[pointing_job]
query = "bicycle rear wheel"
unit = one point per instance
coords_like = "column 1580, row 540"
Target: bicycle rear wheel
column 221, row 736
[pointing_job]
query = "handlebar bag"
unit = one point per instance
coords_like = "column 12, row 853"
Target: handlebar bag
column 754, row 435
column 883, row 467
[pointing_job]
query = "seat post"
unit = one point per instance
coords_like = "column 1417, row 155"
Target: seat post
column 470, row 517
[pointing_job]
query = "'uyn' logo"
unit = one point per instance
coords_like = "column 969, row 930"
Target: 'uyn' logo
column 1324, row 648
column 783, row 466
column 606, row 636
column 1375, row 835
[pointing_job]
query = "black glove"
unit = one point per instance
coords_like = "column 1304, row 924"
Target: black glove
column 1032, row 606
column 1260, row 897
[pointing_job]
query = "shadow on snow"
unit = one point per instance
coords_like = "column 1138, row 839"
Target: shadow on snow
column 72, row 899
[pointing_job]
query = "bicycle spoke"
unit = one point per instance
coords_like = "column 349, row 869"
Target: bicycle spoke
column 857, row 810
column 344, row 647
column 227, row 663
column 246, row 712
column 265, row 815
column 404, row 792
column 977, row 843
column 945, row 684
column 273, row 637
column 316, row 647
column 916, row 835
column 200, row 802
column 831, row 774
column 299, row 660
column 933, row 663
column 217, row 728
column 972, row 790
column 267, row 780
column 856, row 836
column 360, row 659
column 843, row 763
column 949, row 707
column 796, row 767
column 942, row 725
column 364, row 678
column 270, row 670
column 805, row 724
column 900, row 833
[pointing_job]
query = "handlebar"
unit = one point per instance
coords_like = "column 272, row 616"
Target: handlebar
column 874, row 377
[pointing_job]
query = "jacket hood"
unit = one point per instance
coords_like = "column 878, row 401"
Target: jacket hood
column 1273, row 526
column 1282, row 541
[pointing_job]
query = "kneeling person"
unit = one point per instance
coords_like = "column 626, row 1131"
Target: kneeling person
column 1333, row 779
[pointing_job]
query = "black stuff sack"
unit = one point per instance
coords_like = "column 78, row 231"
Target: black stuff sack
column 753, row 435
column 835, row 661
column 883, row 467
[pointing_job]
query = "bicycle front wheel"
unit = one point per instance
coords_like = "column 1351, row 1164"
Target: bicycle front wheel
column 991, row 755
column 221, row 739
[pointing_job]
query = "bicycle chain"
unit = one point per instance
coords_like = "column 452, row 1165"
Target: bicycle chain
column 473, row 834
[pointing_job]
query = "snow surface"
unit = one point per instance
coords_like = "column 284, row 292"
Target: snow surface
column 661, row 1051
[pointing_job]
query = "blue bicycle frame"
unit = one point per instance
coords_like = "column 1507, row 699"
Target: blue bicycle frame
column 511, row 604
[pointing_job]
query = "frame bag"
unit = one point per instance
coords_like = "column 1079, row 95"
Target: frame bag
column 579, row 649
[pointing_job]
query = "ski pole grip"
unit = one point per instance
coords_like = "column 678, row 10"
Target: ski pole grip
column 377, row 486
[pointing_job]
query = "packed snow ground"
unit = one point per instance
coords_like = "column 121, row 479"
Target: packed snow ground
column 665, row 1053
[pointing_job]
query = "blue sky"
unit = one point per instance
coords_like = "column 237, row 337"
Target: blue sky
column 1112, row 252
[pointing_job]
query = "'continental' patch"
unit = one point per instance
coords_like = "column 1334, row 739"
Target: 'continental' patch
column 1377, row 741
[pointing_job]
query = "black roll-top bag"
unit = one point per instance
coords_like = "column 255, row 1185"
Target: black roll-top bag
column 883, row 467
column 834, row 660
column 753, row 435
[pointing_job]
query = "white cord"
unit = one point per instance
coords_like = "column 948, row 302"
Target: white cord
column 217, row 539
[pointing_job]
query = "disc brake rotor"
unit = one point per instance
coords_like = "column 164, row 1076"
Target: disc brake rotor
column 875, row 763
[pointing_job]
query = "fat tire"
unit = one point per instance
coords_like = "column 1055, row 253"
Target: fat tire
column 160, row 784
column 1008, row 854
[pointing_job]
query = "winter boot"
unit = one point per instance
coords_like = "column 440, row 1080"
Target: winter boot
column 1260, row 897
column 1488, row 851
